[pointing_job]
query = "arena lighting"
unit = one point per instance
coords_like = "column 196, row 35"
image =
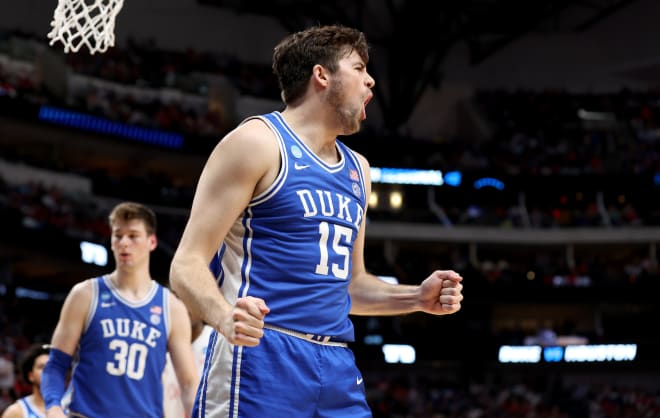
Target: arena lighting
column 22, row 292
column 373, row 199
column 519, row 354
column 406, row 176
column 489, row 182
column 596, row 116
column 86, row 122
column 568, row 354
column 92, row 253
column 373, row 339
column 389, row 279
column 453, row 178
column 399, row 353
column 396, row 200
column 605, row 352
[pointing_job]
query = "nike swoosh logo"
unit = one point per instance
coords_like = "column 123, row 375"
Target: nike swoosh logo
column 300, row 166
column 359, row 381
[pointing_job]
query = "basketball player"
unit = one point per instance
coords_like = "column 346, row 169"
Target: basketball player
column 32, row 365
column 281, row 203
column 119, row 327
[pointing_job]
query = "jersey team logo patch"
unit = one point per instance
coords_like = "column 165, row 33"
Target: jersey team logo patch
column 156, row 312
column 353, row 174
column 356, row 190
column 296, row 151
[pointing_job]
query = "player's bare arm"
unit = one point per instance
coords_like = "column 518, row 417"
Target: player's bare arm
column 226, row 186
column 72, row 318
column 13, row 411
column 369, row 295
column 70, row 326
column 439, row 294
column 181, row 352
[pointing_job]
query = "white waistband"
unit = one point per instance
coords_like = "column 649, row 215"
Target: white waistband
column 317, row 339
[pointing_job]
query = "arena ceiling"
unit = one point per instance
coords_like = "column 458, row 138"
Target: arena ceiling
column 414, row 36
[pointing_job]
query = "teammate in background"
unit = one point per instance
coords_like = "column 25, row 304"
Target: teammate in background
column 281, row 203
column 32, row 365
column 120, row 327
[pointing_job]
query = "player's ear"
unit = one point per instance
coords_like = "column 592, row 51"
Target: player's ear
column 153, row 242
column 320, row 74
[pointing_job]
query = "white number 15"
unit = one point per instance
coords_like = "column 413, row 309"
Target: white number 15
column 341, row 237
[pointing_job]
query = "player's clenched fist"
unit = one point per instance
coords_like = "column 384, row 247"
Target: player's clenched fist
column 441, row 292
column 245, row 323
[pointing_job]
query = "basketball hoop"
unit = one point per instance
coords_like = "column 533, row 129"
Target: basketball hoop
column 85, row 22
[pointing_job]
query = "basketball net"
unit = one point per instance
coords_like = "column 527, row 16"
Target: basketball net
column 85, row 22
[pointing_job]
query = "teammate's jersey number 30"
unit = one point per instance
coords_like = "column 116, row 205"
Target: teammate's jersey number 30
column 130, row 359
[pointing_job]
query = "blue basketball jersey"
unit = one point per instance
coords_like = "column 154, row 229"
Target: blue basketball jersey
column 29, row 410
column 121, row 356
column 292, row 245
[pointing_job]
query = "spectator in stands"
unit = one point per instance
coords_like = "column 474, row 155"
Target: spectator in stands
column 6, row 370
column 31, row 406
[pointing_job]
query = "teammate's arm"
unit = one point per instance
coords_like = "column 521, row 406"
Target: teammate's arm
column 244, row 163
column 179, row 346
column 73, row 314
column 440, row 293
column 64, row 342
column 13, row 411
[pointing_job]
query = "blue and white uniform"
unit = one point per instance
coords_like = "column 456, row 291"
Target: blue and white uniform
column 29, row 409
column 117, row 370
column 292, row 247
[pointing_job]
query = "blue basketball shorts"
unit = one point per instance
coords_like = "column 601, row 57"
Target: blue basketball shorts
column 288, row 375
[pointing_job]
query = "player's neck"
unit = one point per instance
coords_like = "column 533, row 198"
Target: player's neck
column 313, row 131
column 133, row 284
column 37, row 400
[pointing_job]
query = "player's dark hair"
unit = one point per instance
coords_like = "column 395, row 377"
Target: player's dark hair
column 30, row 356
column 296, row 55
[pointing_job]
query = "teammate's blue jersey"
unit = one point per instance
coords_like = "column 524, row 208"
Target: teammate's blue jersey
column 29, row 410
column 121, row 357
column 292, row 245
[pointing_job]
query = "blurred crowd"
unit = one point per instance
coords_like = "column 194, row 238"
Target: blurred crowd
column 428, row 397
column 536, row 136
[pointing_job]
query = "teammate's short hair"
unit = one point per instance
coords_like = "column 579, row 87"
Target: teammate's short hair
column 127, row 211
column 30, row 356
